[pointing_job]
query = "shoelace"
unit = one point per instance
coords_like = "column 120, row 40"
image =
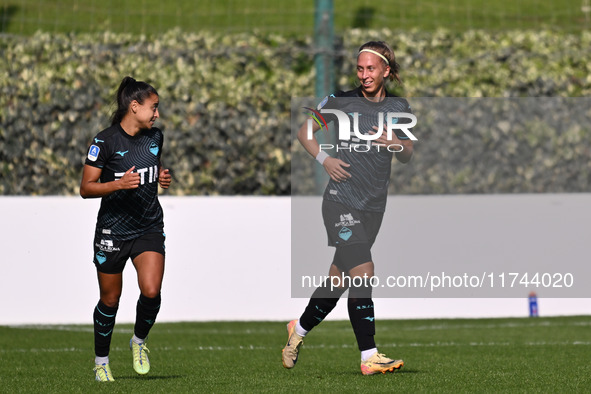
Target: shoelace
column 141, row 355
column 297, row 342
column 102, row 368
column 382, row 358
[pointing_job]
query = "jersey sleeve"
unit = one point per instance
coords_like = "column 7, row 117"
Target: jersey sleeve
column 97, row 154
column 329, row 102
column 160, row 136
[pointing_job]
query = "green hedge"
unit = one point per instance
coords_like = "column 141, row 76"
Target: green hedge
column 225, row 101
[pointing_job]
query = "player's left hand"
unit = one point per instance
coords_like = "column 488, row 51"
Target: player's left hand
column 164, row 178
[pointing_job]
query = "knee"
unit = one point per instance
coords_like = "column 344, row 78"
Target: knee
column 151, row 292
column 112, row 301
column 368, row 269
column 362, row 287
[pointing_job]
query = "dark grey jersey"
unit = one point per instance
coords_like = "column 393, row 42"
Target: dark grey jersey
column 128, row 214
column 367, row 189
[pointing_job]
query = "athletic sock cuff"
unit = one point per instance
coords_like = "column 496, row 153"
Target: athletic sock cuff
column 152, row 303
column 106, row 310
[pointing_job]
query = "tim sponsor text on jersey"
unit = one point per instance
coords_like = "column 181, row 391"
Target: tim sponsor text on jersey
column 152, row 173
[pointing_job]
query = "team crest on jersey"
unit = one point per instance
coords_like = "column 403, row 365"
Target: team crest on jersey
column 154, row 148
column 93, row 152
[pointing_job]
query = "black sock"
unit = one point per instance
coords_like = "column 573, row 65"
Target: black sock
column 146, row 312
column 362, row 318
column 322, row 302
column 104, row 321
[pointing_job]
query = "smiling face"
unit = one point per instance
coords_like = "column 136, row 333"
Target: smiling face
column 372, row 72
column 147, row 112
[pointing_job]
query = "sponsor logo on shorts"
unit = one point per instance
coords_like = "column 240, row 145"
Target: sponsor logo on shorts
column 106, row 245
column 347, row 220
column 345, row 233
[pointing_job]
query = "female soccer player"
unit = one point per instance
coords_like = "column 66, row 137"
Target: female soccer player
column 123, row 168
column 354, row 202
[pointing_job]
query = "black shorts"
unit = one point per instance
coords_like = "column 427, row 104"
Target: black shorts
column 110, row 256
column 348, row 226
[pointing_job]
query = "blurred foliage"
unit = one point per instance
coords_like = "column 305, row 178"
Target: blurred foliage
column 225, row 106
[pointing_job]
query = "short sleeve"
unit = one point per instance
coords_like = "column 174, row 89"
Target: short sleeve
column 96, row 153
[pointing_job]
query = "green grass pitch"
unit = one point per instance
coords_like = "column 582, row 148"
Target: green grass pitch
column 455, row 355
column 152, row 17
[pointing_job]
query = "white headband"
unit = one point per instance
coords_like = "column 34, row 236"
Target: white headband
column 375, row 53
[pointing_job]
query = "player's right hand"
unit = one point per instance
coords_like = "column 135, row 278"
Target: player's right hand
column 335, row 168
column 130, row 180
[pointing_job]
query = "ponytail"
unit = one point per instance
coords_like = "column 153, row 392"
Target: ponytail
column 130, row 90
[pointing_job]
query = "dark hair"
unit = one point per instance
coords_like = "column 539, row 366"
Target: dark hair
column 383, row 48
column 130, row 90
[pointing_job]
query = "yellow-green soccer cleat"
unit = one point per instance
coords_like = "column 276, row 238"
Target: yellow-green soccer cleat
column 102, row 373
column 380, row 363
column 141, row 364
column 291, row 349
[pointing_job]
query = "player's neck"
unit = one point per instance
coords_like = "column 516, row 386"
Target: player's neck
column 379, row 95
column 130, row 126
